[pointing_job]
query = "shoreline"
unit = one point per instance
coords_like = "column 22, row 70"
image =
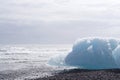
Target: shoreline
column 84, row 74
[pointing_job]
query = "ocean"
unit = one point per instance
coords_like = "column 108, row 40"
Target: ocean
column 20, row 62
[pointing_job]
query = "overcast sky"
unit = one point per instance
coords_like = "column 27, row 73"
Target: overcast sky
column 57, row 21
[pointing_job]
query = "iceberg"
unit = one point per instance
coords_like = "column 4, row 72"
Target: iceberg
column 95, row 53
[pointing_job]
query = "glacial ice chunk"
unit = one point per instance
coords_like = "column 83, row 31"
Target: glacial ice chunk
column 95, row 53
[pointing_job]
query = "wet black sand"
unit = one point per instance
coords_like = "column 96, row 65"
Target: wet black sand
column 83, row 74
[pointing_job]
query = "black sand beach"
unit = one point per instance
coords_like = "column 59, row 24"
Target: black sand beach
column 83, row 74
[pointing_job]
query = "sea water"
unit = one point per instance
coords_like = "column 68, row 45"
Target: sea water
column 19, row 62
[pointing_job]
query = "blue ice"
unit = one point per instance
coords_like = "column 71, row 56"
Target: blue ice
column 95, row 53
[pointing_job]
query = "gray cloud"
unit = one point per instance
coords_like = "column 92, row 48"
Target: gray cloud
column 57, row 21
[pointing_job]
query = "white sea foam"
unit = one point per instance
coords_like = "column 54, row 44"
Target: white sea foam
column 19, row 62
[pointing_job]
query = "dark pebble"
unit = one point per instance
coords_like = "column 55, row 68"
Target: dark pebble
column 83, row 74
